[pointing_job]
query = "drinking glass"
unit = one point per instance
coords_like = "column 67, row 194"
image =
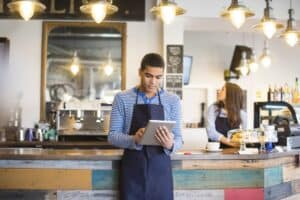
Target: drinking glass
column 242, row 142
column 262, row 141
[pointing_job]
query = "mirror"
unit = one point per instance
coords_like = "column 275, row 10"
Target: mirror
column 81, row 62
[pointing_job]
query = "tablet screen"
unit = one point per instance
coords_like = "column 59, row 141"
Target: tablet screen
column 149, row 135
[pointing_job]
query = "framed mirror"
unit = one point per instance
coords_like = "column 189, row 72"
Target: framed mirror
column 81, row 61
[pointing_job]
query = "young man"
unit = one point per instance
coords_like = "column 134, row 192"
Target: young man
column 146, row 171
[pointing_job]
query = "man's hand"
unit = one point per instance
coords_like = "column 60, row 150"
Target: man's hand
column 138, row 135
column 164, row 137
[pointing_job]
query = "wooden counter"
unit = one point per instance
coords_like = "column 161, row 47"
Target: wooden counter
column 88, row 174
column 58, row 144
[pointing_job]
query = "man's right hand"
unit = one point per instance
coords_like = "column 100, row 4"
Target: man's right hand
column 139, row 135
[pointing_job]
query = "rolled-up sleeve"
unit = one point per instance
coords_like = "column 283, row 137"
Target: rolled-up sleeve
column 175, row 115
column 117, row 135
column 212, row 133
column 244, row 119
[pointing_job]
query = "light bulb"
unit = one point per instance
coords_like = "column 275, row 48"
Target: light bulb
column 269, row 28
column 74, row 68
column 266, row 61
column 253, row 66
column 168, row 13
column 244, row 70
column 237, row 17
column 108, row 69
column 75, row 64
column 99, row 12
column 291, row 38
column 26, row 10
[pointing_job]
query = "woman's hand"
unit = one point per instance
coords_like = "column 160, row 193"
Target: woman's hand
column 139, row 135
column 164, row 137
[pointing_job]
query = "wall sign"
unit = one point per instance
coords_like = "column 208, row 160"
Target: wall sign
column 129, row 10
column 174, row 69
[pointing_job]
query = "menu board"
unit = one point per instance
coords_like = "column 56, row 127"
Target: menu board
column 174, row 71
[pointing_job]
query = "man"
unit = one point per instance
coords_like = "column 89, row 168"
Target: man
column 146, row 172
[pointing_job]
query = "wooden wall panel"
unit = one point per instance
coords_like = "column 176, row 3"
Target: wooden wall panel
column 45, row 179
column 277, row 192
column 105, row 179
column 235, row 164
column 273, row 176
column 290, row 172
column 218, row 179
column 244, row 194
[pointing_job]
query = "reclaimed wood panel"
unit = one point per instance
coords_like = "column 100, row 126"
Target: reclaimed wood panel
column 295, row 186
column 56, row 164
column 273, row 176
column 291, row 172
column 293, row 197
column 277, row 192
column 198, row 194
column 113, row 195
column 88, row 195
column 244, row 194
column 45, row 179
column 236, row 164
column 217, row 179
column 105, row 179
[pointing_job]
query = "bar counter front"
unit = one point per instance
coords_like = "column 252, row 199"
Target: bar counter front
column 36, row 173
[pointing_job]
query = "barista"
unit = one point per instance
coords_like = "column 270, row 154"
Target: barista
column 226, row 114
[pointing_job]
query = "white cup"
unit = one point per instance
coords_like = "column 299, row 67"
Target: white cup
column 213, row 146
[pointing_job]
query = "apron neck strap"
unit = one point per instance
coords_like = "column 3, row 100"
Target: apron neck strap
column 137, row 96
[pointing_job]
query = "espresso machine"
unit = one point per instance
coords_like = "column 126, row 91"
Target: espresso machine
column 84, row 122
column 283, row 116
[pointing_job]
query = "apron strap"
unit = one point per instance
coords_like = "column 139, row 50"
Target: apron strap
column 137, row 96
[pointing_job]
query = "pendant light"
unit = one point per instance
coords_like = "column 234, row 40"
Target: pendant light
column 237, row 13
column 98, row 9
column 265, row 58
column 253, row 65
column 243, row 67
column 268, row 23
column 26, row 8
column 291, row 35
column 167, row 10
column 75, row 64
column 108, row 68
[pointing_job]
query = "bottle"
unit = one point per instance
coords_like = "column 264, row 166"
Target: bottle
column 286, row 93
column 275, row 93
column 270, row 94
column 298, row 96
column 281, row 94
column 296, row 92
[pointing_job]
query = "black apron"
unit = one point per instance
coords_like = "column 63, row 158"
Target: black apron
column 222, row 126
column 146, row 174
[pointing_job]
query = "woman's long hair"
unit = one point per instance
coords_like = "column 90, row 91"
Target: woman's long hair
column 233, row 103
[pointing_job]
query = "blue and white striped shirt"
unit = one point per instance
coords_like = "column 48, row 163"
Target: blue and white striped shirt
column 121, row 115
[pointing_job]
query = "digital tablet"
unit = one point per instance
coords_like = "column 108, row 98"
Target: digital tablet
column 150, row 130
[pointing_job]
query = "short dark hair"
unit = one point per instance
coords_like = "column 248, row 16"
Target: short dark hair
column 153, row 60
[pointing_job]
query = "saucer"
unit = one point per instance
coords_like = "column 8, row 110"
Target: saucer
column 217, row 150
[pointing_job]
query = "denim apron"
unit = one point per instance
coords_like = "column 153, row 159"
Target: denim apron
column 222, row 126
column 146, row 174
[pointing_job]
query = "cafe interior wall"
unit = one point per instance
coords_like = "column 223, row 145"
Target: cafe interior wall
column 22, row 76
column 212, row 53
column 211, row 40
column 23, row 73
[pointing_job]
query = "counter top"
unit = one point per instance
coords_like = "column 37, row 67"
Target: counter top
column 116, row 154
column 58, row 144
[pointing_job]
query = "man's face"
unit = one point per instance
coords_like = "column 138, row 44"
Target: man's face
column 151, row 78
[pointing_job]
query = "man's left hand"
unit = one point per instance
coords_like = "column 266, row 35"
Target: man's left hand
column 164, row 137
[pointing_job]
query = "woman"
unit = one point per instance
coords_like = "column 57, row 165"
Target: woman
column 226, row 114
